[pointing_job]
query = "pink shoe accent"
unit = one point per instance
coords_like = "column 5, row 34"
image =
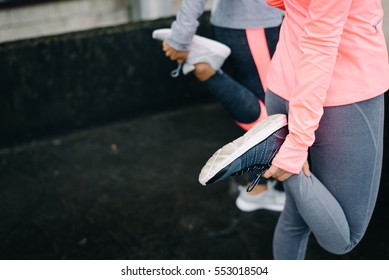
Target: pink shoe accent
column 247, row 126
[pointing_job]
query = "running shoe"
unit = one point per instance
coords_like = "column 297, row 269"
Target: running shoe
column 202, row 50
column 271, row 199
column 254, row 150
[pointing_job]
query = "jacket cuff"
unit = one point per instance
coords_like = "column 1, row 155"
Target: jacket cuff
column 290, row 157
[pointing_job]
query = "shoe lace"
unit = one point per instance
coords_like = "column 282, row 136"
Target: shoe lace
column 248, row 169
column 176, row 72
column 262, row 169
column 256, row 180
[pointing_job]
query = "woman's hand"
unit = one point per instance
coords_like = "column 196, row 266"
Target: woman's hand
column 173, row 54
column 281, row 175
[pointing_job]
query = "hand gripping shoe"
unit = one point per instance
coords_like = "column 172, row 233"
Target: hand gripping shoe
column 254, row 150
column 202, row 50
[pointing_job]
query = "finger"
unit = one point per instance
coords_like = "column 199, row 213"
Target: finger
column 165, row 46
column 279, row 174
column 284, row 176
column 183, row 55
column 179, row 56
column 270, row 172
column 306, row 170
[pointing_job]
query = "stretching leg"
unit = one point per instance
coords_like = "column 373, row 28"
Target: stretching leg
column 240, row 95
column 336, row 202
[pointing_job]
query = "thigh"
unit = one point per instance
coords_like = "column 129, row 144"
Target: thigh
column 276, row 104
column 347, row 158
column 242, row 62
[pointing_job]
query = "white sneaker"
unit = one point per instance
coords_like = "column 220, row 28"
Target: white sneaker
column 271, row 199
column 202, row 50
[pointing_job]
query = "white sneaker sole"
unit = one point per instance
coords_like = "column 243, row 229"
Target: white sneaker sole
column 231, row 151
column 246, row 206
column 214, row 46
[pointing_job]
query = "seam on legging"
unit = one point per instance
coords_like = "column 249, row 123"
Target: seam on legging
column 375, row 165
column 302, row 247
column 367, row 123
column 348, row 240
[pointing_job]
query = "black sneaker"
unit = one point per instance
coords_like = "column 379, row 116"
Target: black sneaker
column 254, row 150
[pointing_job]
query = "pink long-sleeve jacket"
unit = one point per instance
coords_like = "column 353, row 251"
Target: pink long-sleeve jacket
column 330, row 53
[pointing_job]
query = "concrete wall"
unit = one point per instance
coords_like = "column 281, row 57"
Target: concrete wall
column 58, row 17
column 83, row 79
column 76, row 80
column 54, row 79
column 154, row 9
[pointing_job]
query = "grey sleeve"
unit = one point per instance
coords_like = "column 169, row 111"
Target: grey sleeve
column 186, row 23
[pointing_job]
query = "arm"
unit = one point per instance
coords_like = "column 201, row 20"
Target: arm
column 319, row 44
column 186, row 23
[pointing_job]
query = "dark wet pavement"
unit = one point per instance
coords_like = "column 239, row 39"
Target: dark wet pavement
column 129, row 191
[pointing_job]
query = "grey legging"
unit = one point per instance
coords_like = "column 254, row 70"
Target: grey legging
column 337, row 201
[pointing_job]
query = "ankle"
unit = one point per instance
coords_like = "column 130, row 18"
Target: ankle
column 260, row 188
column 203, row 71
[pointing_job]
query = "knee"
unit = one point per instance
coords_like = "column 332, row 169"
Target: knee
column 342, row 249
column 203, row 71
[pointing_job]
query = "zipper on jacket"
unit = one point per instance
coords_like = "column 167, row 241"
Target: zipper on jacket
column 376, row 24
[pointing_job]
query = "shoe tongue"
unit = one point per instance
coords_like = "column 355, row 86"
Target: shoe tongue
column 187, row 68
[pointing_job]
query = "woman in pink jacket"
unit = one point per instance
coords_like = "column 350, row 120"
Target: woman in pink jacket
column 328, row 76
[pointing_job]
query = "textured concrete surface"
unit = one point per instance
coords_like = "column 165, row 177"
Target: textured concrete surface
column 85, row 79
column 130, row 191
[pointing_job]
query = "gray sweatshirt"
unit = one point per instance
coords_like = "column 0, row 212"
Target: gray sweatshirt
column 235, row 14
